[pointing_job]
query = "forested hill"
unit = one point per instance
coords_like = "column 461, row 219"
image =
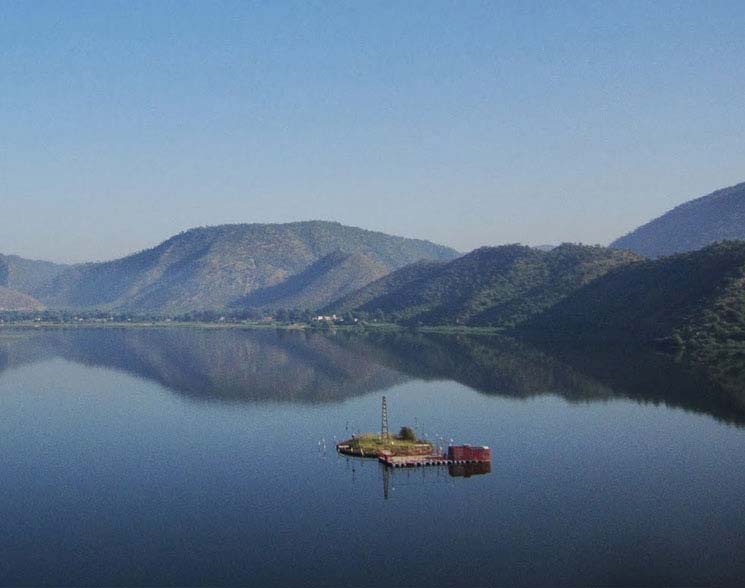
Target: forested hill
column 717, row 217
column 694, row 299
column 492, row 286
column 213, row 267
column 406, row 277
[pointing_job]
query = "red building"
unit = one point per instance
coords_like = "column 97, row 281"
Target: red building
column 468, row 453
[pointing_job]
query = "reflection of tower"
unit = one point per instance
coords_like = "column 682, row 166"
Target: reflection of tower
column 386, row 481
column 384, row 421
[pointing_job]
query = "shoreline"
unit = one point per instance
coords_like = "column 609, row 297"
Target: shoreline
column 383, row 327
column 690, row 351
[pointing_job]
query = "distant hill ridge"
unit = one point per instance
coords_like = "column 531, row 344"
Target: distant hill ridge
column 214, row 267
column 693, row 225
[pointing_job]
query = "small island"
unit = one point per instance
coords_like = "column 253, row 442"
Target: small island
column 406, row 450
column 374, row 444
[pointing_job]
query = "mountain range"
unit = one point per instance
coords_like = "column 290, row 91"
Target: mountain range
column 634, row 289
column 216, row 267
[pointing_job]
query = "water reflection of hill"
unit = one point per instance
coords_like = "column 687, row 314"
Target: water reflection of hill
column 506, row 367
column 212, row 364
column 492, row 365
column 304, row 367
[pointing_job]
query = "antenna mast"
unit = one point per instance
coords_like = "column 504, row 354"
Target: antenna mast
column 384, row 434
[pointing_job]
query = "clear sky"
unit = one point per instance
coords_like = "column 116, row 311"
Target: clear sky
column 468, row 123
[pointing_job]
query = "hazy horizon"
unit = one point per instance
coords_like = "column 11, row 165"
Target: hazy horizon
column 463, row 124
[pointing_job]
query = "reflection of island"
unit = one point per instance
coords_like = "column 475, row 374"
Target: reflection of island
column 427, row 475
column 466, row 470
column 305, row 367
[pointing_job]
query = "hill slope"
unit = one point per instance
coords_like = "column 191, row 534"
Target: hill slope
column 215, row 266
column 392, row 282
column 717, row 217
column 329, row 278
column 492, row 286
column 14, row 300
column 694, row 299
column 27, row 275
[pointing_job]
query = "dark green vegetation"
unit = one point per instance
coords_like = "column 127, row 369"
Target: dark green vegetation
column 717, row 217
column 418, row 272
column 214, row 267
column 691, row 300
column 492, row 286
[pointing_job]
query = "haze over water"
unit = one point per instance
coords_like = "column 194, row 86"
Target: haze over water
column 205, row 456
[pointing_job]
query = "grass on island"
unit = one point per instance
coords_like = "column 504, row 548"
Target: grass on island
column 371, row 444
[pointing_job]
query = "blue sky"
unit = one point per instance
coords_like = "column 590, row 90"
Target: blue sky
column 467, row 123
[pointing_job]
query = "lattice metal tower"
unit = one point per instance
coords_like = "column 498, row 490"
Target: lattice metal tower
column 384, row 434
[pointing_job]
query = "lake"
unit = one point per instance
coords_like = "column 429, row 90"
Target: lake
column 206, row 457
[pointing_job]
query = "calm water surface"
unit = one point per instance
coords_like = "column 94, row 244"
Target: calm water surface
column 206, row 457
